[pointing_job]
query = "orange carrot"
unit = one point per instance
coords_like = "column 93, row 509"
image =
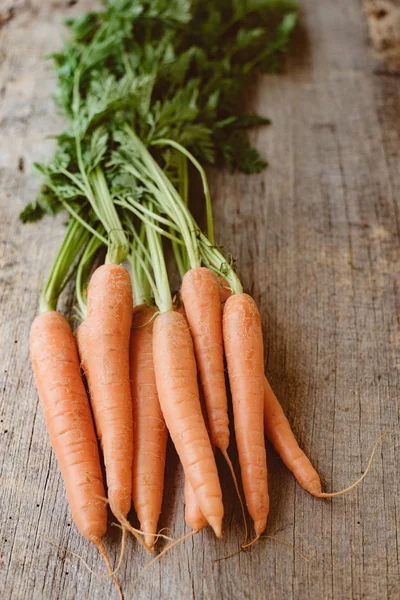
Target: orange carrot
column 69, row 422
column 201, row 298
column 150, row 433
column 103, row 341
column 193, row 515
column 176, row 377
column 245, row 359
column 279, row 432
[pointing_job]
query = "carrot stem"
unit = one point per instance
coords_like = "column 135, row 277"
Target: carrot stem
column 164, row 301
column 149, row 221
column 167, row 196
column 141, row 277
column 197, row 165
column 103, row 205
column 71, row 245
column 82, row 275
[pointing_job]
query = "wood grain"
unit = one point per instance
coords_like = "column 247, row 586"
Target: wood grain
column 316, row 237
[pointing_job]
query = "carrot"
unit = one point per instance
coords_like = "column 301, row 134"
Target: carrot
column 279, row 432
column 174, row 361
column 176, row 377
column 149, row 433
column 69, row 423
column 245, row 359
column 193, row 515
column 201, row 298
column 64, row 401
column 103, row 341
column 194, row 518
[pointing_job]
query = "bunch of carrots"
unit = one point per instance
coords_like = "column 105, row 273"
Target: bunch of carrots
column 147, row 104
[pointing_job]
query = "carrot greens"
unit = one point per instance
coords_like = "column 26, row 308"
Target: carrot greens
column 175, row 71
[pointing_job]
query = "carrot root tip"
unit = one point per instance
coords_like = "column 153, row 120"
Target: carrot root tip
column 215, row 523
column 359, row 480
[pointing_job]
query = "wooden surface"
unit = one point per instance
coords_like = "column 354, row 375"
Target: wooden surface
column 317, row 242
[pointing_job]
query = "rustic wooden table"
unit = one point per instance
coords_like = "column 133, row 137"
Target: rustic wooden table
column 317, row 242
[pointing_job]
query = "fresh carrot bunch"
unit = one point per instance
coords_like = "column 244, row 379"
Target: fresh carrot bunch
column 150, row 97
column 224, row 325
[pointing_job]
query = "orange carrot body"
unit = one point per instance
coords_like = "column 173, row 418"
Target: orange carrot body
column 201, row 298
column 176, row 377
column 245, row 359
column 103, row 341
column 279, row 432
column 193, row 515
column 149, row 433
column 69, row 421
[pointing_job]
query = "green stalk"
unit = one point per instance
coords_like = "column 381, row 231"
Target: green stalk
column 83, row 272
column 151, row 213
column 195, row 162
column 216, row 261
column 170, row 200
column 77, row 217
column 164, row 297
column 75, row 237
column 181, row 256
column 118, row 246
column 211, row 256
column 149, row 221
column 142, row 282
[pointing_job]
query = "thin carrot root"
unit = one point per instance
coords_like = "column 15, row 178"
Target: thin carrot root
column 268, row 537
column 231, row 555
column 100, row 546
column 159, row 556
column 103, row 552
column 244, row 546
column 359, row 480
column 239, row 495
column 143, row 325
column 252, row 542
column 138, row 533
column 285, row 543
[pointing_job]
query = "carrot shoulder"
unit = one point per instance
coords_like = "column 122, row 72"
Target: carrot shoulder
column 69, row 422
column 176, row 377
column 103, row 341
column 245, row 359
column 150, row 433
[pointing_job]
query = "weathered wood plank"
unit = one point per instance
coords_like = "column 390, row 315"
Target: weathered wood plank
column 317, row 242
